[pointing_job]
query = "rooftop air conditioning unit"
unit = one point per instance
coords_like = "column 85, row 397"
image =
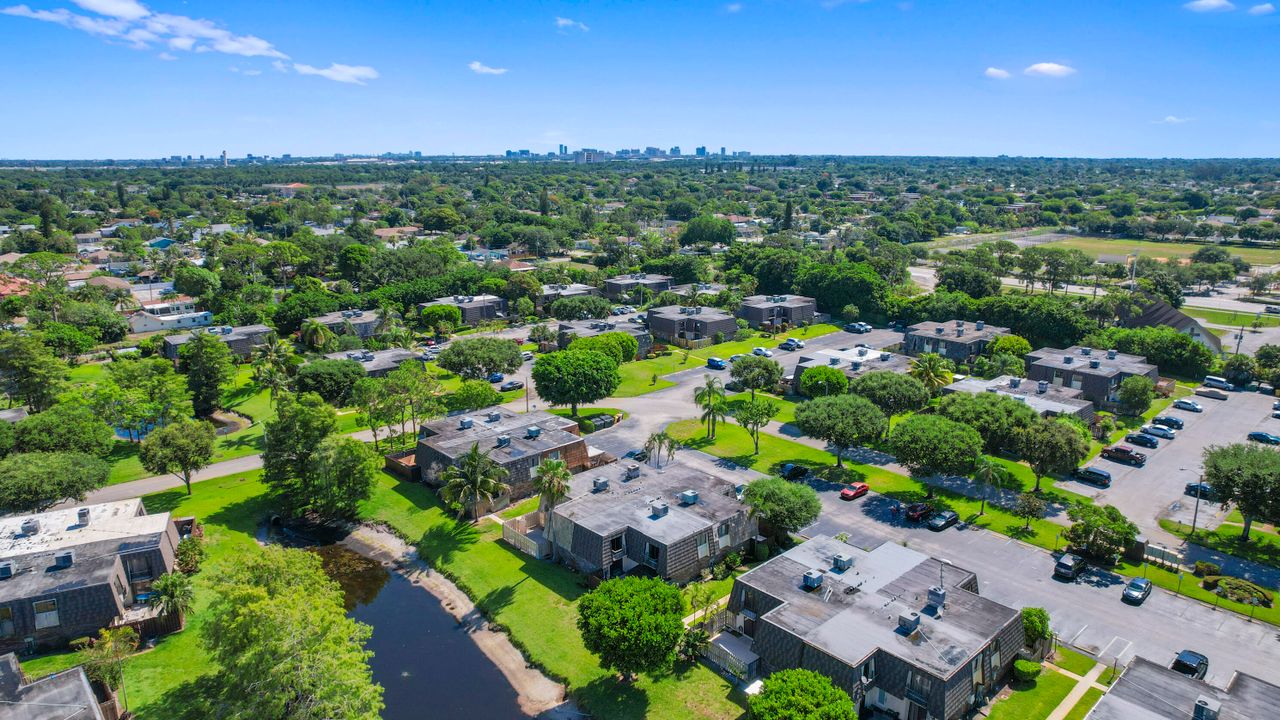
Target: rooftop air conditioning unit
column 1095, row 364
column 689, row 497
column 458, row 298
column 366, row 356
column 1206, row 708
column 862, row 352
column 842, row 561
column 465, row 423
column 855, row 365
column 959, row 332
column 504, row 440
column 909, row 621
column 937, row 596
column 633, row 472
column 1111, row 354
column 599, row 484
column 532, row 432
column 353, row 356
column 1042, row 387
column 833, row 361
column 1086, row 351
column 82, row 516
column 346, row 313
column 959, row 323
column 812, row 579
column 884, row 357
column 6, row 570
column 1015, row 382
column 494, row 416
column 939, row 330
column 63, row 559
column 980, row 325
column 1066, row 359
column 658, row 508
column 31, row 526
column 357, row 313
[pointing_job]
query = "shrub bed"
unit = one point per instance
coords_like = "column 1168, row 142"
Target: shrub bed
column 1237, row 589
column 1025, row 671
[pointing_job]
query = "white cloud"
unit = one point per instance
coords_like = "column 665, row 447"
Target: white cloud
column 1263, row 9
column 1209, row 6
column 481, row 69
column 996, row 73
column 355, row 74
column 1050, row 69
column 169, row 57
column 123, row 9
column 61, row 16
column 182, row 43
column 280, row 66
column 252, row 73
column 1172, row 120
column 733, row 7
column 564, row 22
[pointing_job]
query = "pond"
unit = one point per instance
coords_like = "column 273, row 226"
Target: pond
column 426, row 665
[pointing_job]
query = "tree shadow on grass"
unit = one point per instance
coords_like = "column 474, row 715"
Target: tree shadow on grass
column 196, row 699
column 607, row 696
column 555, row 577
column 163, row 502
column 242, row 516
column 442, row 543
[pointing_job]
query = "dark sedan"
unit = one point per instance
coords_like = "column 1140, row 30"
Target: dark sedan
column 1142, row 440
column 918, row 511
column 511, row 385
column 942, row 520
column 1096, row 476
column 1264, row 437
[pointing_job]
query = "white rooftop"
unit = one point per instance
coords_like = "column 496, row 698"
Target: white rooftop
column 61, row 528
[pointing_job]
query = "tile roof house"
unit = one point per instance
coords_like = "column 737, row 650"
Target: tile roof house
column 1043, row 397
column 1097, row 374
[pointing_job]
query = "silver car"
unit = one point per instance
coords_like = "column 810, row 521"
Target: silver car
column 1160, row 431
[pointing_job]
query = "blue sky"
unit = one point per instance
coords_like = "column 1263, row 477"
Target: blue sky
column 151, row 78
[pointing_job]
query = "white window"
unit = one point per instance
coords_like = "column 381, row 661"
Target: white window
column 46, row 613
column 703, row 548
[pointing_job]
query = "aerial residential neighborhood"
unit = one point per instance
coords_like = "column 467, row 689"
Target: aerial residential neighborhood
column 708, row 361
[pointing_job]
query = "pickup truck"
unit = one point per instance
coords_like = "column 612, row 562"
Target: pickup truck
column 1124, row 454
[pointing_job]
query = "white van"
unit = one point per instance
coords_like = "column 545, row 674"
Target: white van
column 1214, row 381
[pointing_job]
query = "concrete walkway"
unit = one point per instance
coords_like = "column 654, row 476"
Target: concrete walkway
column 1083, row 684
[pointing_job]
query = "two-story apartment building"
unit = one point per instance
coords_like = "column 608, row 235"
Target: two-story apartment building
column 1150, row 691
column 171, row 314
column 689, row 326
column 623, row 287
column 1046, row 399
column 555, row 291
column 475, row 309
column 570, row 331
column 517, row 442
column 768, row 311
column 66, row 573
column 1097, row 374
column 957, row 341
column 360, row 323
column 377, row 363
column 851, row 361
column 241, row 340
column 898, row 630
column 676, row 523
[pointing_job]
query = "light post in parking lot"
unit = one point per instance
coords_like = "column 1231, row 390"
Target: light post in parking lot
column 1195, row 515
column 1055, row 541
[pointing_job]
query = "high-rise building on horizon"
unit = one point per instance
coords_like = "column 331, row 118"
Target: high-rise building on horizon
column 700, row 151
column 224, row 158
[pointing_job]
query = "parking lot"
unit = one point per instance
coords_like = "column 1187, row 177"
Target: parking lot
column 1146, row 494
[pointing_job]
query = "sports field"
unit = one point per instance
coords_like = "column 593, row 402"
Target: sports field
column 1096, row 246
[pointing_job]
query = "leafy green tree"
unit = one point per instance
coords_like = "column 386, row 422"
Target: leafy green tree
column 933, row 370
column 1247, row 476
column 823, row 380
column 1010, row 345
column 31, row 373
column 332, row 380
column 894, row 393
column 35, row 482
column 580, row 307
column 707, row 230
column 753, row 415
column 190, row 554
column 342, row 474
column 315, row 334
column 474, row 480
column 477, row 358
column 1052, row 446
column 933, row 444
column 473, row 395
column 1136, row 394
column 632, row 623
column 799, row 694
column 440, row 318
column 6, row 439
column 292, row 437
column 845, row 421
column 67, row 341
column 969, row 279
column 183, row 448
column 575, row 377
column 1240, row 370
column 279, row 632
column 618, row 345
column 785, row 507
column 1035, row 624
column 756, row 373
column 999, row 419
column 66, row 427
column 1029, row 506
column 1164, row 347
column 196, row 281
column 209, row 370
column 1101, row 531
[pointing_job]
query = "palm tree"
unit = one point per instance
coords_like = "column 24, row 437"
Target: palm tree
column 988, row 474
column 671, row 444
column 552, row 484
column 654, row 446
column 710, row 397
column 933, row 370
column 174, row 593
column 475, row 479
column 315, row 334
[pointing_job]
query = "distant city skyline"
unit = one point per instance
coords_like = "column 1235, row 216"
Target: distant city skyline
column 98, row 79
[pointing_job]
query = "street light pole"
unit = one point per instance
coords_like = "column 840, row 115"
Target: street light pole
column 1195, row 515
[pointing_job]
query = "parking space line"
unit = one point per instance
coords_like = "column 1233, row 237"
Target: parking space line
column 1072, row 641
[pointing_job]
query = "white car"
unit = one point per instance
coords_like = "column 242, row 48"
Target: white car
column 1185, row 404
column 762, row 352
column 1160, row 431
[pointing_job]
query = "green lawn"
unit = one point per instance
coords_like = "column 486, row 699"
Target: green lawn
column 1084, row 704
column 535, row 601
column 1190, row 586
column 786, row 408
column 1233, row 318
column 733, row 443
column 523, row 507
column 1263, row 547
column 1068, row 659
column 1096, row 246
column 1034, row 700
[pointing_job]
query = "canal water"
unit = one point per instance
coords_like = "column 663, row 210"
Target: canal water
column 426, row 665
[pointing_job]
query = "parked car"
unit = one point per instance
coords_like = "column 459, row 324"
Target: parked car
column 1188, row 405
column 854, row 491
column 526, row 356
column 1136, row 591
column 496, row 377
column 1213, row 393
column 1265, row 438
column 857, row 327
column 762, row 352
column 1214, row 381
column 1275, row 405
column 716, row 363
column 736, row 358
column 1159, row 431
column 942, row 520
column 1168, row 421
column 1124, row 454
column 638, row 454
column 918, row 511
column 1276, row 414
column 790, row 344
column 1202, row 490
column 1094, row 475
column 1191, row 663
column 510, row 385
column 1069, row 567
column 792, row 471
column 1142, row 439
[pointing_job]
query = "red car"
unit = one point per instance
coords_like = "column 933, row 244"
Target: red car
column 854, row 491
column 918, row 511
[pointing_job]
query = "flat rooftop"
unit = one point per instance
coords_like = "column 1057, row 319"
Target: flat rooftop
column 225, row 333
column 567, row 289
column 1055, row 399
column 448, row 437
column 679, row 312
column 341, row 316
column 627, row 502
column 1078, row 359
column 588, row 328
column 642, row 278
column 60, row 529
column 464, row 300
column 855, row 612
column 1148, row 691
column 777, row 300
column 853, row 361
column 377, row 360
column 66, row 695
column 958, row 330
column 707, row 288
